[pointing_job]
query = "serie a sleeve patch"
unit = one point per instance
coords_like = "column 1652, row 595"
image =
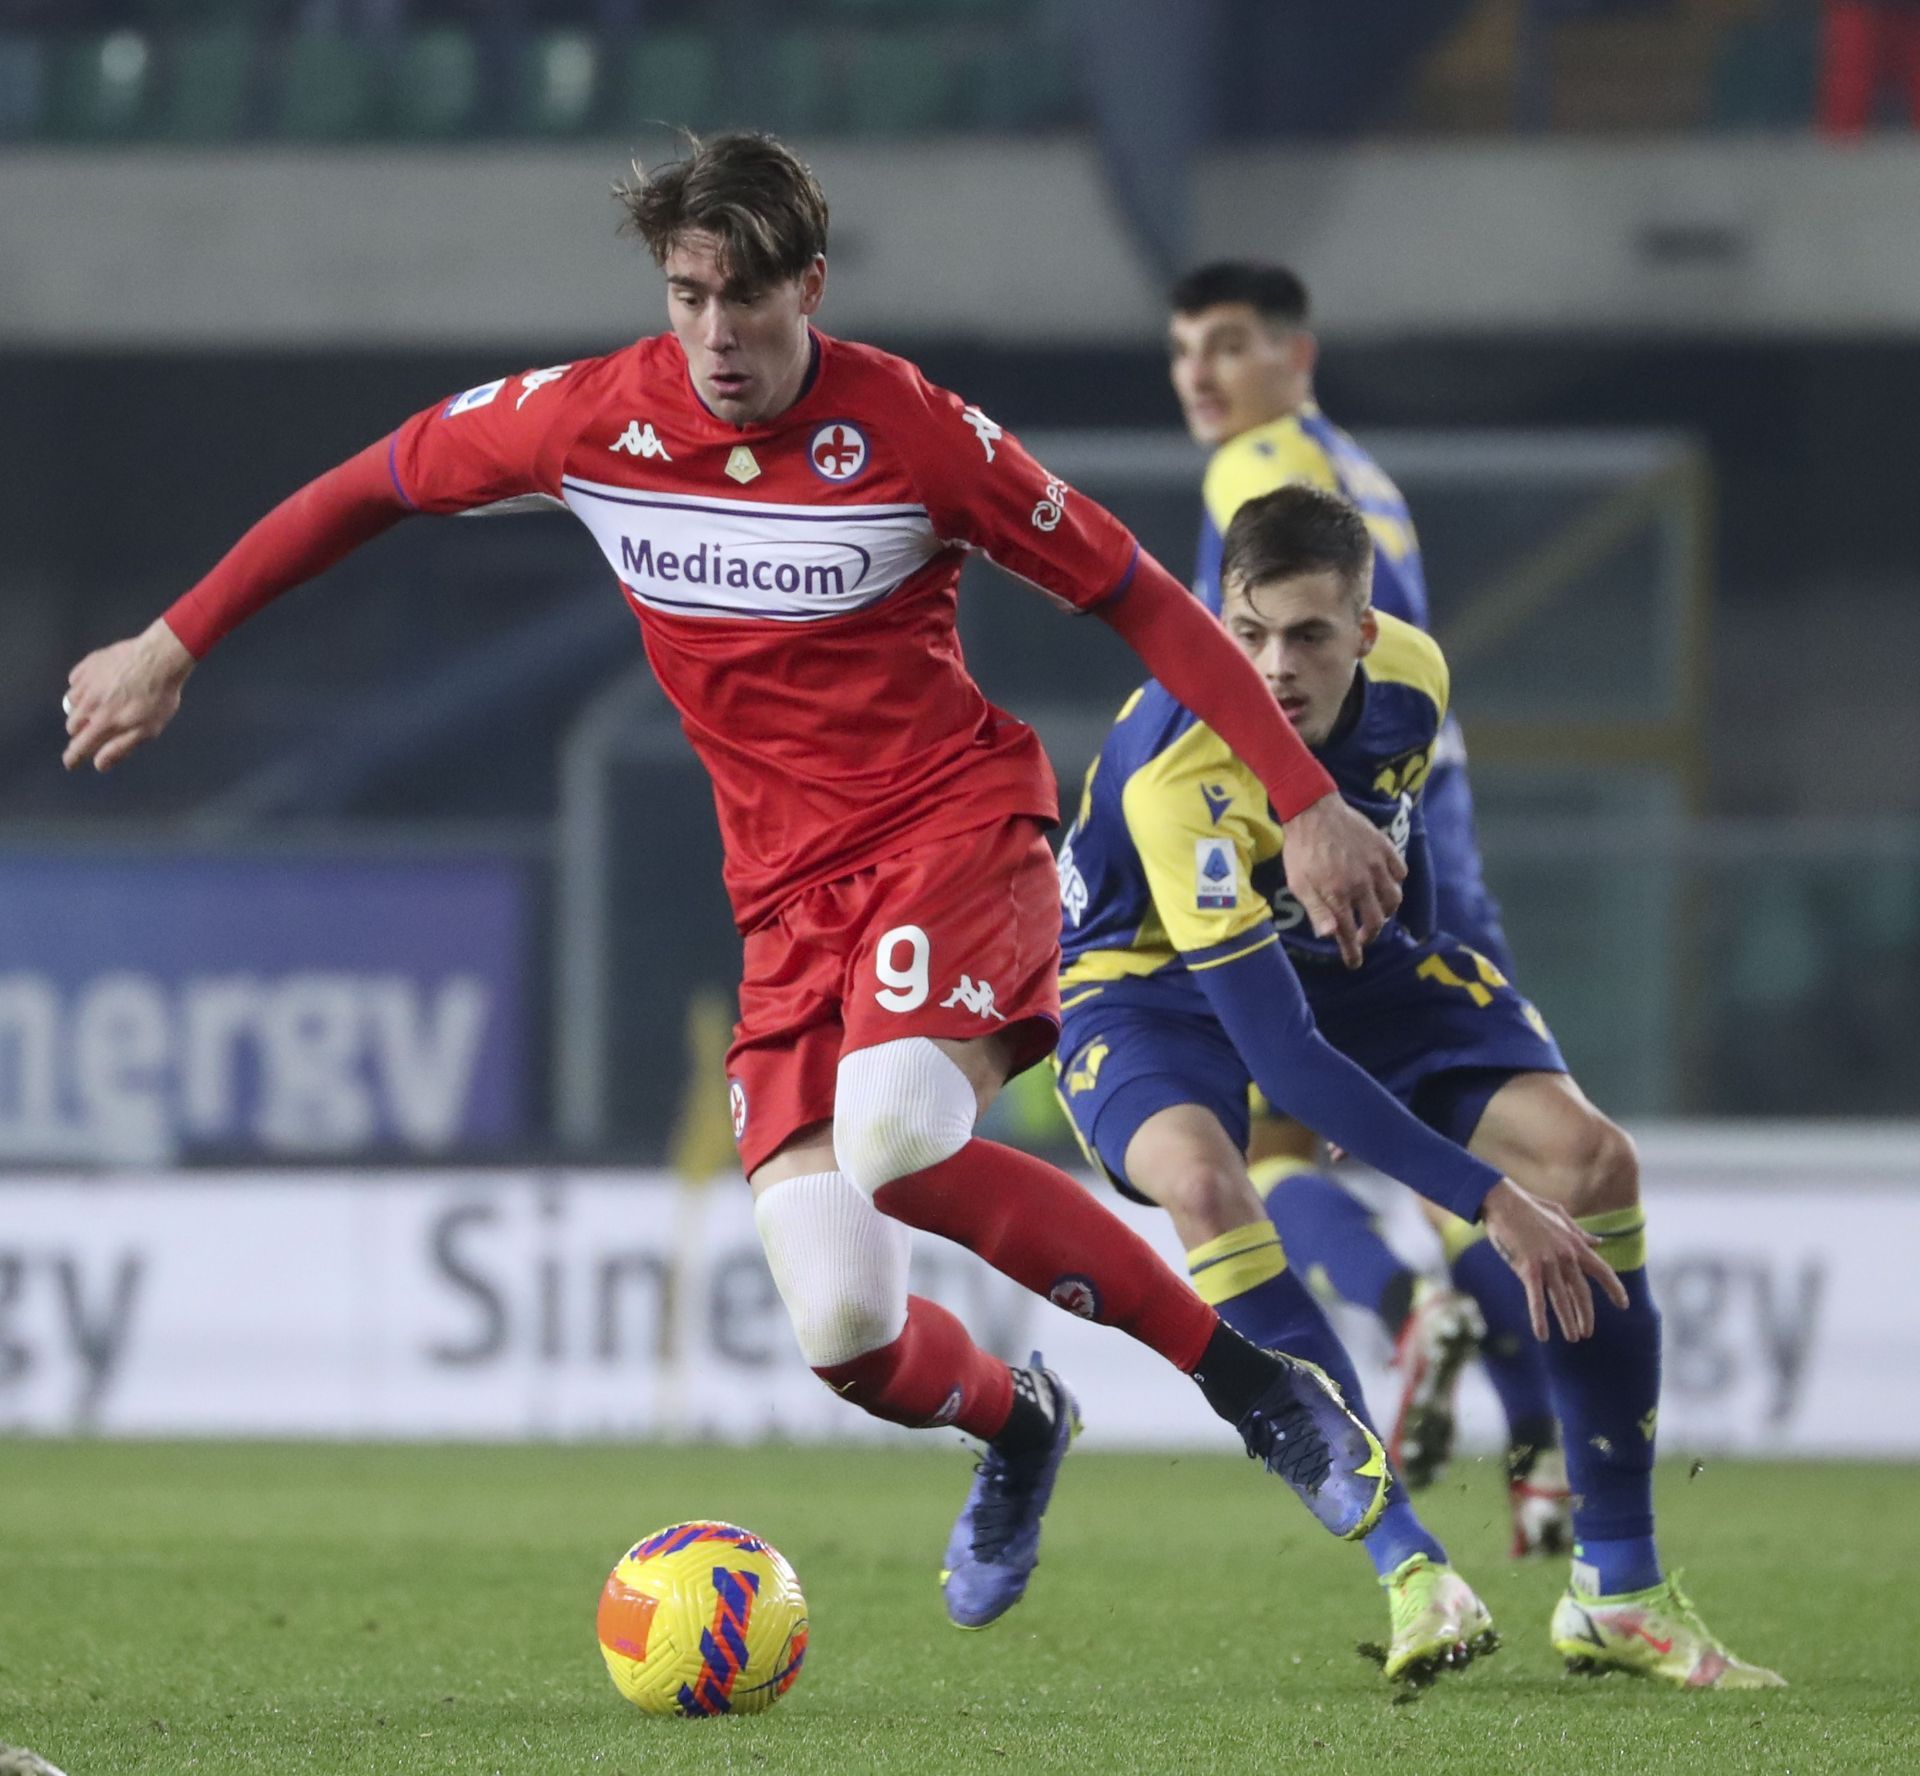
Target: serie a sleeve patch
column 1216, row 876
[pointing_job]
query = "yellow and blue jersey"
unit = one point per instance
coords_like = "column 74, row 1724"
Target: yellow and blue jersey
column 1190, row 972
column 1174, row 861
column 1306, row 446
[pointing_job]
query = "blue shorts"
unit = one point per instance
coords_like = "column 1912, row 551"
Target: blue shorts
column 1434, row 1023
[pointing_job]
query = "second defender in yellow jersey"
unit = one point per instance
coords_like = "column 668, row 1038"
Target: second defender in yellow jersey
column 1175, row 848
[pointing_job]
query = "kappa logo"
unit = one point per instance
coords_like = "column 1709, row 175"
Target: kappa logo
column 1077, row 1295
column 1215, row 880
column 535, row 380
column 984, row 429
column 737, row 1107
column 977, row 997
column 837, row 451
column 1218, row 800
column 641, row 441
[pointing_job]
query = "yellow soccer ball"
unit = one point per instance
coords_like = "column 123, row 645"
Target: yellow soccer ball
column 701, row 1619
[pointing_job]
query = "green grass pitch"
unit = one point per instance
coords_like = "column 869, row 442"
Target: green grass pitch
column 389, row 1610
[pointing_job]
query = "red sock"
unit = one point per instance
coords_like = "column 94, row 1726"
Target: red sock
column 1034, row 1223
column 932, row 1374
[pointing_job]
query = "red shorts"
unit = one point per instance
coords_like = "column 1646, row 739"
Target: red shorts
column 960, row 938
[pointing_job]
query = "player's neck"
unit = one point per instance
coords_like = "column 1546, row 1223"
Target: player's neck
column 795, row 385
column 1350, row 708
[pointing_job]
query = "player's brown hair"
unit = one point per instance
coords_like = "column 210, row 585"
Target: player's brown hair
column 1298, row 530
column 753, row 194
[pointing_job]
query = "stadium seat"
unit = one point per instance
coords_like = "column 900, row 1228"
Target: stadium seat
column 1764, row 78
column 797, row 87
column 434, row 88
column 172, row 15
column 901, row 83
column 666, row 77
column 208, row 77
column 23, row 87
column 925, row 11
column 101, row 86
column 1021, row 82
column 556, row 83
column 326, row 91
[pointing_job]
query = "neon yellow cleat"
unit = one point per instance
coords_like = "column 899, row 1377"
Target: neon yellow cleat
column 1652, row 1633
column 1438, row 1623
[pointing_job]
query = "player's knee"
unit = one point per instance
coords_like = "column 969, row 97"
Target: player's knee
column 1207, row 1199
column 899, row 1107
column 833, row 1332
column 839, row 1264
column 1601, row 1169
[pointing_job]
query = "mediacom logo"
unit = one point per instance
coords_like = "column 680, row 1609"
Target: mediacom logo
column 713, row 564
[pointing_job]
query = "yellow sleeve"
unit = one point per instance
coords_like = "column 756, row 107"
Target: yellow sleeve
column 1257, row 462
column 1409, row 657
column 1199, row 822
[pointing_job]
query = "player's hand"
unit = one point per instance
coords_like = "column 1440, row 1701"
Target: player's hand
column 121, row 696
column 1552, row 1255
column 1345, row 872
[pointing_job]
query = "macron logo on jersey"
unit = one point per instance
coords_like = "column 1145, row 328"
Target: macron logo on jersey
column 640, row 441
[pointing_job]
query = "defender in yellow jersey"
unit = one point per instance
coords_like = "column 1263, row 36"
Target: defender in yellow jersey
column 1242, row 362
column 1188, row 975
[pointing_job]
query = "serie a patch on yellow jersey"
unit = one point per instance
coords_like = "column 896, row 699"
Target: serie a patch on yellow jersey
column 1216, row 875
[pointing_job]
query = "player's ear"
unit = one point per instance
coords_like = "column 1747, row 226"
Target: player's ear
column 1369, row 631
column 813, row 284
column 1306, row 353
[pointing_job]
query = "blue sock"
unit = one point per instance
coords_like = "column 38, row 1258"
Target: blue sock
column 1273, row 1308
column 1325, row 1228
column 1607, row 1392
column 1514, row 1360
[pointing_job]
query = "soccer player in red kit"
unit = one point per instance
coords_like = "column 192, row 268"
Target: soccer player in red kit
column 787, row 515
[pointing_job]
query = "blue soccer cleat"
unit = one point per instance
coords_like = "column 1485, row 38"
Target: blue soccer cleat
column 1300, row 1429
column 995, row 1544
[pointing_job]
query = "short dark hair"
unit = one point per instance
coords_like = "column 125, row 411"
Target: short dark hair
column 755, row 196
column 1298, row 530
column 1272, row 291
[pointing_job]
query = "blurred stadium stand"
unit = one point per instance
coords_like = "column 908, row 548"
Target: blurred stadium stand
column 210, row 71
column 1719, row 908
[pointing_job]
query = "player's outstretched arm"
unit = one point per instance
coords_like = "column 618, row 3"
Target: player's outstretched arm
column 122, row 696
column 1342, row 869
column 1552, row 1255
column 1255, row 994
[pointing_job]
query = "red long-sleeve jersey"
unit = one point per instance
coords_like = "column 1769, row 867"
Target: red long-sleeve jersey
column 795, row 583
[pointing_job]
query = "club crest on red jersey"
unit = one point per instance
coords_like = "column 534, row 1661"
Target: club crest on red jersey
column 737, row 1107
column 837, row 451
